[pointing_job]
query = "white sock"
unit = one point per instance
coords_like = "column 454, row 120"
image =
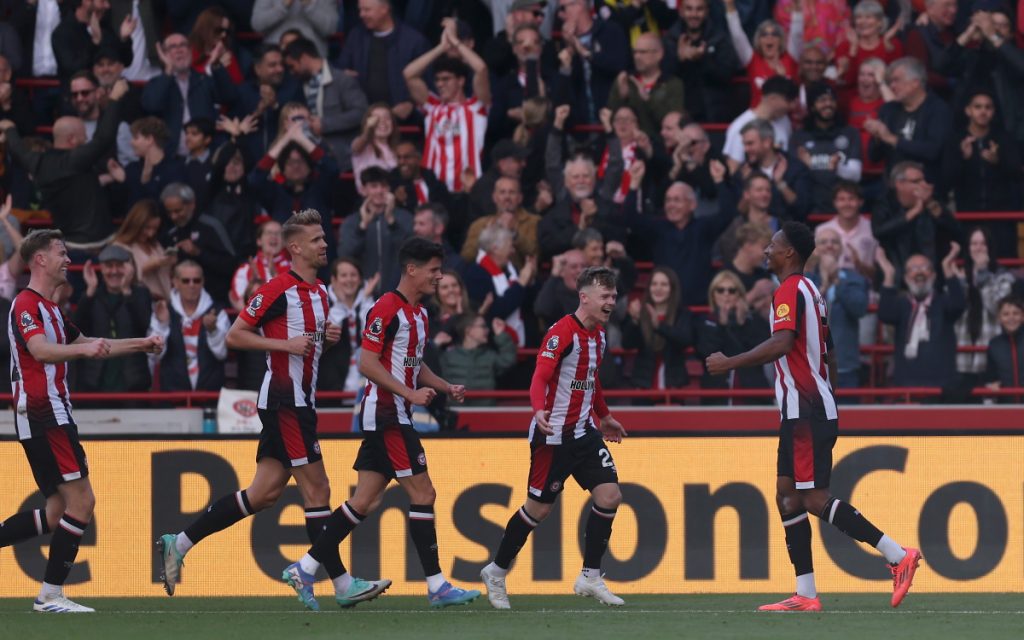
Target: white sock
column 341, row 583
column 309, row 564
column 50, row 591
column 805, row 586
column 183, row 543
column 591, row 573
column 496, row 570
column 891, row 549
column 435, row 582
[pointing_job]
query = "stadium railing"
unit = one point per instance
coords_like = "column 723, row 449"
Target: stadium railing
column 902, row 395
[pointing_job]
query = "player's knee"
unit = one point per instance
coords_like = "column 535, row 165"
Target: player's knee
column 374, row 504
column 608, row 497
column 789, row 502
column 318, row 493
column 538, row 510
column 424, row 495
column 814, row 503
column 260, row 499
column 81, row 505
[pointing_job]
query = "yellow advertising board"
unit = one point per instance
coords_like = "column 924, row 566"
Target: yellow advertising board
column 698, row 516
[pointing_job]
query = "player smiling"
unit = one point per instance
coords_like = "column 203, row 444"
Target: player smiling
column 564, row 440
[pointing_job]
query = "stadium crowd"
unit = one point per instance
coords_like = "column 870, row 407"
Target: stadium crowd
column 667, row 139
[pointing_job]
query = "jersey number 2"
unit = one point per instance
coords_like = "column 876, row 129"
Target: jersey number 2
column 606, row 459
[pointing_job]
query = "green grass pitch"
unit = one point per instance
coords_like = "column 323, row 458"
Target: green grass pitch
column 852, row 616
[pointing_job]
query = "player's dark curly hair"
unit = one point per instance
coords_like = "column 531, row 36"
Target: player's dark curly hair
column 599, row 276
column 800, row 237
column 419, row 251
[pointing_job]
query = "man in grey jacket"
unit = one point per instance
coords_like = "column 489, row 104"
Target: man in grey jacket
column 333, row 97
column 374, row 235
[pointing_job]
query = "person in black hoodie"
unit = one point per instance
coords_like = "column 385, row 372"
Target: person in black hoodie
column 829, row 147
column 232, row 201
column 113, row 306
column 659, row 327
column 1005, row 363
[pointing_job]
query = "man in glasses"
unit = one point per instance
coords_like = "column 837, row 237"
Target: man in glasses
column 910, row 219
column 194, row 329
column 455, row 124
column 200, row 238
column 181, row 93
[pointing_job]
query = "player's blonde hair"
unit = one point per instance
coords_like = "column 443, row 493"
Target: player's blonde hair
column 299, row 219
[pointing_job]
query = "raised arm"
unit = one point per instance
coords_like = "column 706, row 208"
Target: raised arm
column 481, row 77
column 740, row 42
column 413, row 73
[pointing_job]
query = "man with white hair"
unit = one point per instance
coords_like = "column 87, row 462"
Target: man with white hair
column 201, row 238
column 494, row 275
column 579, row 206
column 915, row 125
column 682, row 242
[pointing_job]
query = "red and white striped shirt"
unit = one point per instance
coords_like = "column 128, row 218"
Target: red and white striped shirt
column 258, row 268
column 565, row 380
column 41, row 392
column 454, row 138
column 283, row 308
column 398, row 332
column 802, row 385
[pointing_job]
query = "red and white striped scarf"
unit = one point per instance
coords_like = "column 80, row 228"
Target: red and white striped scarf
column 628, row 156
column 502, row 280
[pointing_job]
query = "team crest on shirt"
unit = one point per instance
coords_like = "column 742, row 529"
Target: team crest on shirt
column 27, row 322
column 254, row 304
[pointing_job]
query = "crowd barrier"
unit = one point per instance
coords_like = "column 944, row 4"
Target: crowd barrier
column 698, row 516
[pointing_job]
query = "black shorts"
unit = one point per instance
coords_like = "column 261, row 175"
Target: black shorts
column 805, row 451
column 56, row 457
column 289, row 436
column 587, row 460
column 394, row 451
